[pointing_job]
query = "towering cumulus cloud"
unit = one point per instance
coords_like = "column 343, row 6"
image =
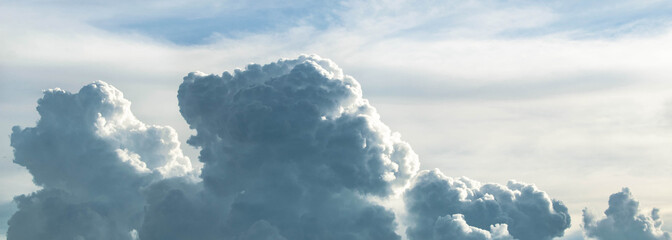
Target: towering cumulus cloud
column 295, row 151
column 91, row 157
column 440, row 207
column 290, row 150
column 624, row 221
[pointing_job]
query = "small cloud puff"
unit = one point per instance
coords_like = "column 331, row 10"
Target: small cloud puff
column 624, row 221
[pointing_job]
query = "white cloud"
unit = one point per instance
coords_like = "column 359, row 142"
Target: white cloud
column 440, row 207
column 624, row 221
column 455, row 227
column 290, row 149
column 92, row 158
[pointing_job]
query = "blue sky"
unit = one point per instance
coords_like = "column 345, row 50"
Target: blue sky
column 556, row 93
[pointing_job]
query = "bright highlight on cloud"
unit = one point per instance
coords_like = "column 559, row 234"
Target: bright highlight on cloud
column 455, row 227
column 290, row 150
column 624, row 221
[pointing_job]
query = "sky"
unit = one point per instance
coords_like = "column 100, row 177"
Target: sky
column 573, row 97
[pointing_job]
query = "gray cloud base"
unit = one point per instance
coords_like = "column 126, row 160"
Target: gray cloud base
column 624, row 221
column 434, row 201
column 291, row 150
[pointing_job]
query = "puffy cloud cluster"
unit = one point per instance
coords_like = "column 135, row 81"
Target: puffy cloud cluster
column 303, row 116
column 293, row 151
column 92, row 158
column 624, row 221
column 440, row 207
column 290, row 150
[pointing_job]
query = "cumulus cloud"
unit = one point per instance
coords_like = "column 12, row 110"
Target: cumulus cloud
column 293, row 150
column 436, row 203
column 290, row 150
column 624, row 221
column 92, row 158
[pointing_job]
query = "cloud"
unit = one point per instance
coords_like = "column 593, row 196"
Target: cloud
column 290, row 150
column 92, row 158
column 455, row 227
column 48, row 52
column 262, row 230
column 435, row 202
column 624, row 221
column 295, row 151
column 6, row 211
column 302, row 112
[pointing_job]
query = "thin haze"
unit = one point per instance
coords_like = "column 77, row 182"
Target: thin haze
column 571, row 96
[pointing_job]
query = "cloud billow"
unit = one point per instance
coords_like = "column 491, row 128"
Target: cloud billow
column 291, row 150
column 91, row 157
column 295, row 150
column 624, row 221
column 435, row 203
